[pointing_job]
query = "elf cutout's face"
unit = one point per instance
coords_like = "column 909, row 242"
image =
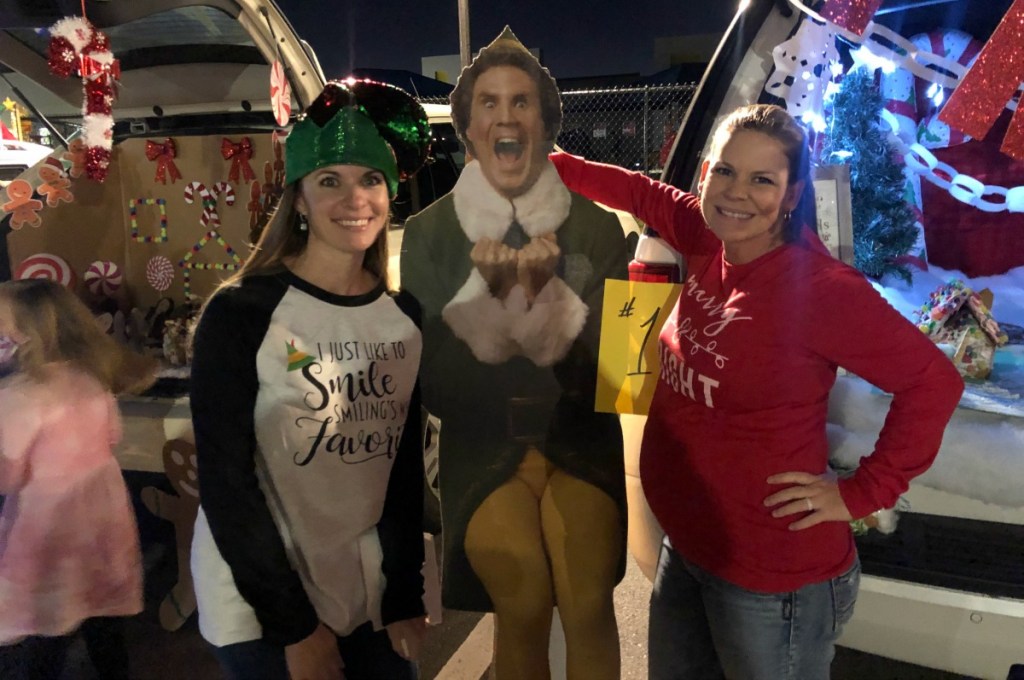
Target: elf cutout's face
column 506, row 129
column 745, row 194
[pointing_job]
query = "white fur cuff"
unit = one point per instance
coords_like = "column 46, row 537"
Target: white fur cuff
column 481, row 321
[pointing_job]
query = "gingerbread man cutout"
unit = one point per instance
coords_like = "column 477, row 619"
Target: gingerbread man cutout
column 54, row 183
column 23, row 208
column 278, row 165
column 180, row 466
column 76, row 154
column 269, row 189
column 255, row 207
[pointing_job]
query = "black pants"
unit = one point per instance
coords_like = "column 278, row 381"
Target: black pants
column 42, row 658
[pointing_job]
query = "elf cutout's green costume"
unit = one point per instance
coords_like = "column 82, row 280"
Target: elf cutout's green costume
column 510, row 367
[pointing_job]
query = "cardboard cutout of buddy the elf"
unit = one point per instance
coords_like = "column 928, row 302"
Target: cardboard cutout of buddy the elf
column 510, row 268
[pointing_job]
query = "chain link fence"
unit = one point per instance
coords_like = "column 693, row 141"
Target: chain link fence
column 628, row 126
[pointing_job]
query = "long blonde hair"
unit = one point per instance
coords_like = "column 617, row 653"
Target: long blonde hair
column 282, row 238
column 59, row 328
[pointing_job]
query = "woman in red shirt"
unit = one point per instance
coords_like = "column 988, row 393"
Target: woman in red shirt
column 759, row 570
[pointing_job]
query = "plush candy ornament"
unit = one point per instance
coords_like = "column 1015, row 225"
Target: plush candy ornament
column 76, row 45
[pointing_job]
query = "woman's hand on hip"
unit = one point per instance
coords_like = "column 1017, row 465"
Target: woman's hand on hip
column 407, row 637
column 814, row 498
column 315, row 657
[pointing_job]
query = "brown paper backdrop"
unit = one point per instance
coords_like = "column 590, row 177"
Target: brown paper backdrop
column 96, row 226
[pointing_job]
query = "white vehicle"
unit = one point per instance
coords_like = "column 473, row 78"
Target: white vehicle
column 946, row 590
column 16, row 157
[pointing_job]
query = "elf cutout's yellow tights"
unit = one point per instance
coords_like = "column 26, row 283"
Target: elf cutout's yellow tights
column 540, row 539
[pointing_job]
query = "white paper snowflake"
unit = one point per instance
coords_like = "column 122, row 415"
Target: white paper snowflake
column 803, row 68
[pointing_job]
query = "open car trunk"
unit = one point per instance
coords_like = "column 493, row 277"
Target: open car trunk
column 195, row 153
column 945, row 590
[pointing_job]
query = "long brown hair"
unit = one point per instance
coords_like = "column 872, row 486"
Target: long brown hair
column 775, row 122
column 59, row 328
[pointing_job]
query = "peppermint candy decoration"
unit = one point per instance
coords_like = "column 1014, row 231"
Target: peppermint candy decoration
column 280, row 94
column 160, row 273
column 46, row 266
column 103, row 278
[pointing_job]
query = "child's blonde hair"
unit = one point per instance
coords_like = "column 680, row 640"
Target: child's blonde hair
column 58, row 327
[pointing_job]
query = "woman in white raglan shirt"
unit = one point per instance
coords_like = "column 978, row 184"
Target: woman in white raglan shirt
column 308, row 545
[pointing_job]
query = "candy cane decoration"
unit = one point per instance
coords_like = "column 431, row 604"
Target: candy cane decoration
column 226, row 190
column 205, row 198
column 209, row 217
column 75, row 44
column 196, row 187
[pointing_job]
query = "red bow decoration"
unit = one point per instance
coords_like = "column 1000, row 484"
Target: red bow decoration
column 239, row 154
column 164, row 154
column 984, row 91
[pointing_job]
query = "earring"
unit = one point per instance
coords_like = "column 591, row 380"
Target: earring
column 787, row 216
column 303, row 223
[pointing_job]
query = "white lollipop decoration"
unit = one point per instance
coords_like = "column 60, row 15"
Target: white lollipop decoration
column 280, row 94
column 160, row 273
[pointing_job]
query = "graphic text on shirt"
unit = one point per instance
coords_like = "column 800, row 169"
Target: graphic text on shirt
column 354, row 412
column 684, row 336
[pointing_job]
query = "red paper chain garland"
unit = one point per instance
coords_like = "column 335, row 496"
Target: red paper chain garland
column 76, row 44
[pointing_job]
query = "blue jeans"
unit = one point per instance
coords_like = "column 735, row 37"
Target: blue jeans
column 367, row 655
column 702, row 627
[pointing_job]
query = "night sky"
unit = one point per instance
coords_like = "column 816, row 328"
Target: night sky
column 576, row 37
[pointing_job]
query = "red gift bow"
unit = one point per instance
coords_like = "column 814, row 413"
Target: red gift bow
column 239, row 154
column 982, row 94
column 164, row 154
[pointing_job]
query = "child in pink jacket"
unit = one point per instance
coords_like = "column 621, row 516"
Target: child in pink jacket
column 69, row 547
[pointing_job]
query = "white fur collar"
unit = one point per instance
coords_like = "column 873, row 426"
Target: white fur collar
column 484, row 213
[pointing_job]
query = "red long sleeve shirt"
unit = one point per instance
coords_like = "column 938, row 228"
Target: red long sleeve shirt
column 748, row 358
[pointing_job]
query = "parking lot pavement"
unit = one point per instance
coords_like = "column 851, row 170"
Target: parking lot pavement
column 457, row 649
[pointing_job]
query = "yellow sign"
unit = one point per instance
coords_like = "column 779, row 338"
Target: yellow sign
column 627, row 363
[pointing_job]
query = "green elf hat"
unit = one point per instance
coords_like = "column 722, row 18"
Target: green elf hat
column 359, row 122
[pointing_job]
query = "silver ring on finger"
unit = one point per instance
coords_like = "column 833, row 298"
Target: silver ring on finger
column 810, row 505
